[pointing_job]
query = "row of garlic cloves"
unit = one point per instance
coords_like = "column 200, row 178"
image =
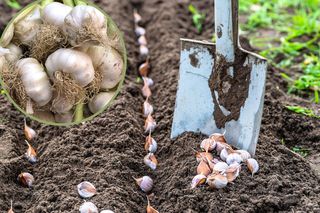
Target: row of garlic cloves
column 146, row 183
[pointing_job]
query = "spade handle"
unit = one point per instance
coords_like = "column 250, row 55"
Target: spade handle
column 226, row 28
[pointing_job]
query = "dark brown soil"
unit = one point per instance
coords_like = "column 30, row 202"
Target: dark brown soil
column 109, row 150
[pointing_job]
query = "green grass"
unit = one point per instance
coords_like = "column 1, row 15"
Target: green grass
column 298, row 24
column 301, row 151
column 303, row 111
column 14, row 4
column 198, row 18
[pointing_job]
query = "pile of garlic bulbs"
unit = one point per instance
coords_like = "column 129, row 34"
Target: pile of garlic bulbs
column 62, row 63
column 218, row 172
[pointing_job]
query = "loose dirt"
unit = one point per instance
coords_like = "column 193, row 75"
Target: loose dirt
column 108, row 151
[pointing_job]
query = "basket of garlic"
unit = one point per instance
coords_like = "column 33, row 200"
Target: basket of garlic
column 62, row 62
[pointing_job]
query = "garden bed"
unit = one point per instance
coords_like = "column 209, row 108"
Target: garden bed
column 108, row 150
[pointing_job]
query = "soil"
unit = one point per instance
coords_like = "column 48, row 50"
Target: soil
column 108, row 151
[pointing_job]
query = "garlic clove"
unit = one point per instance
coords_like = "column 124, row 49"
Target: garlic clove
column 217, row 181
column 151, row 161
column 107, row 211
column 145, row 183
column 218, row 137
column 244, row 154
column 207, row 145
column 137, row 17
column 11, row 209
column 150, row 145
column 55, row 13
column 142, row 40
column 233, row 172
column 144, row 50
column 252, row 165
column 146, row 92
column 203, row 168
column 198, row 180
column 150, row 209
column 233, row 157
column 144, row 69
column 29, row 133
column 88, row 207
column 220, row 167
column 140, row 31
column 31, row 154
column 150, row 124
column 224, row 154
column 206, row 156
column 148, row 81
column 86, row 189
column 26, row 179
column 147, row 108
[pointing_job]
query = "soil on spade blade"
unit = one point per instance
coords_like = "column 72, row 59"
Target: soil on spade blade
column 108, row 151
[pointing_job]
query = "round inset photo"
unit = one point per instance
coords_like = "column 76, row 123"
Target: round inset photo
column 62, row 63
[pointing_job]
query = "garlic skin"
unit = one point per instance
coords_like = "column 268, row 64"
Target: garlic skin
column 244, row 154
column 145, row 183
column 86, row 189
column 218, row 137
column 233, row 157
column 151, row 144
column 77, row 64
column 107, row 61
column 26, row 29
column 35, row 80
column 203, row 169
column 100, row 101
column 144, row 69
column 7, row 36
column 81, row 16
column 64, row 117
column 88, row 207
column 147, row 108
column 208, row 145
column 252, row 165
column 55, row 13
column 217, row 181
column 206, row 156
column 151, row 161
column 26, row 179
column 198, row 180
column 220, row 167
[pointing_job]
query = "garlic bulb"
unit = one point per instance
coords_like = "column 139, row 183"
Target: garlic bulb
column 244, row 154
column 55, row 13
column 253, row 165
column 73, row 62
column 145, row 183
column 64, row 117
column 84, row 16
column 14, row 53
column 207, row 145
column 217, row 181
column 203, row 169
column 198, row 180
column 151, row 161
column 147, row 108
column 220, row 167
column 86, row 189
column 151, row 144
column 35, row 80
column 88, row 207
column 26, row 179
column 108, row 62
column 233, row 157
column 100, row 101
column 26, row 29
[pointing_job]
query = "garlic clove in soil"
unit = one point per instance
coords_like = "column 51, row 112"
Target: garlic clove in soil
column 145, row 183
column 198, row 180
column 31, row 154
column 107, row 211
column 244, row 154
column 144, row 69
column 11, row 208
column 150, row 124
column 88, row 207
column 203, row 168
column 252, row 165
column 35, row 80
column 150, row 145
column 150, row 209
column 140, row 31
column 208, row 145
column 233, row 157
column 142, row 40
column 86, row 189
column 146, row 92
column 148, row 81
column 233, row 172
column 144, row 50
column 100, row 101
column 151, row 161
column 147, row 108
column 136, row 16
column 206, row 156
column 217, row 181
column 26, row 179
column 220, row 167
column 55, row 13
column 29, row 133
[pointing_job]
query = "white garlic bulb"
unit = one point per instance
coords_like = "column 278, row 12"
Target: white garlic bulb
column 77, row 64
column 55, row 13
column 253, row 165
column 233, row 157
column 35, row 80
column 108, row 62
column 88, row 207
column 100, row 101
column 86, row 189
column 14, row 53
column 145, row 183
